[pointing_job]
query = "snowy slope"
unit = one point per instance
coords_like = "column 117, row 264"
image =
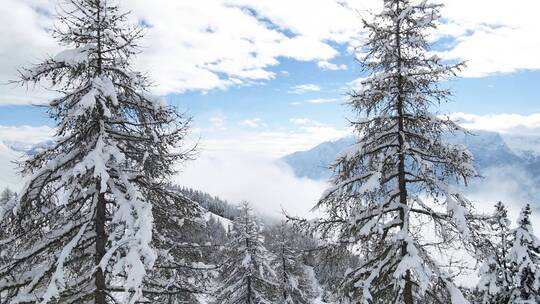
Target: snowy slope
column 226, row 223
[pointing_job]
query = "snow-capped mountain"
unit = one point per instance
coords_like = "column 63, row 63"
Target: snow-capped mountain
column 313, row 163
column 490, row 149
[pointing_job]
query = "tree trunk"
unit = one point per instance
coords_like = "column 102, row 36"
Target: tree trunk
column 249, row 292
column 101, row 239
column 402, row 183
column 101, row 235
column 284, row 273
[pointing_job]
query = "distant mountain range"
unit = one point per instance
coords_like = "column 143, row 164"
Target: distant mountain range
column 513, row 156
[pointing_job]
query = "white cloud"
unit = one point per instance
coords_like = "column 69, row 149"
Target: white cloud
column 243, row 166
column 315, row 101
column 503, row 123
column 22, row 41
column 321, row 100
column 491, row 39
column 304, row 88
column 271, row 143
column 253, row 123
column 189, row 45
column 266, row 184
column 325, row 65
column 217, row 123
column 300, row 121
column 25, row 134
column 206, row 45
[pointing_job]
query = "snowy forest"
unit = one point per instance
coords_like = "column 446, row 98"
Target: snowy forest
column 101, row 219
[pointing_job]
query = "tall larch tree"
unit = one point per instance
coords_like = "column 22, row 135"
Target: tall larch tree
column 393, row 200
column 524, row 260
column 247, row 276
column 495, row 273
column 84, row 218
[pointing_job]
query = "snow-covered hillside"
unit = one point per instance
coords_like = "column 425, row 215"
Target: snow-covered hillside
column 225, row 222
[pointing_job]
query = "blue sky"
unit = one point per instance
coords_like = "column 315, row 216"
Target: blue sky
column 257, row 70
column 273, row 102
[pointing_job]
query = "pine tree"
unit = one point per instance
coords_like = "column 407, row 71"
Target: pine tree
column 180, row 272
column 524, row 260
column 392, row 201
column 215, row 231
column 247, row 275
column 495, row 273
column 6, row 223
column 296, row 287
column 84, row 220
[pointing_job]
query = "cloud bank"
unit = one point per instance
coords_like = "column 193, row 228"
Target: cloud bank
column 266, row 184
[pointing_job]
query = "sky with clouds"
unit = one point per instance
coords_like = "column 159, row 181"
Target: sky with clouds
column 260, row 66
column 269, row 77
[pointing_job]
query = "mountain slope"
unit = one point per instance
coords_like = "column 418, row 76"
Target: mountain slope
column 489, row 149
column 313, row 163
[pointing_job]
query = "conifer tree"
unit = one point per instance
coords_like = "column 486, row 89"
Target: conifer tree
column 83, row 221
column 180, row 273
column 6, row 198
column 247, row 276
column 392, row 201
column 295, row 285
column 495, row 273
column 524, row 260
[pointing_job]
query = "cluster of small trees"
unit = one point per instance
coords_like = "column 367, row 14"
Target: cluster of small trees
column 253, row 274
column 98, row 222
column 511, row 269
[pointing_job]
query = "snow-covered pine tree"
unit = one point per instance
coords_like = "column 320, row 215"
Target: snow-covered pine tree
column 217, row 235
column 181, row 271
column 495, row 274
column 524, row 260
column 247, row 275
column 84, row 218
column 392, row 201
column 6, row 197
column 295, row 283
